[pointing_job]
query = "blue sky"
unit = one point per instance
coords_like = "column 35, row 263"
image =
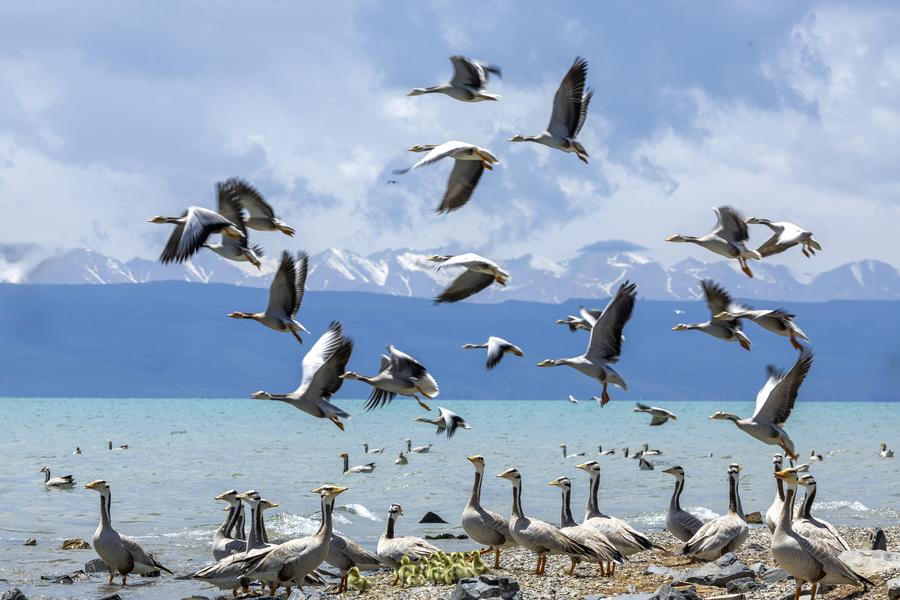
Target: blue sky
column 113, row 112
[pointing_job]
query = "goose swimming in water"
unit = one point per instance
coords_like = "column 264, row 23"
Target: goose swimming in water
column 774, row 404
column 496, row 348
column 348, row 470
column 786, row 235
column 570, row 108
column 469, row 163
column 323, row 370
column 417, row 449
column 719, row 303
column 401, row 459
column 728, row 238
column 885, row 451
column 373, row 450
column 482, row 525
column 566, row 454
column 234, row 249
column 723, row 534
column 261, row 215
column 679, row 522
column 605, row 343
column 285, row 296
column 392, row 549
column 467, row 85
column 447, row 422
column 56, row 482
column 813, row 457
column 658, row 416
column 401, row 374
column 122, row 555
column 479, row 272
column 192, row 229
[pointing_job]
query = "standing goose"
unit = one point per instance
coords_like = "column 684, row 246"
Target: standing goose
column 447, row 422
column 399, row 373
column 538, row 536
column 585, row 534
column 605, row 343
column 417, row 449
column 192, row 229
column 235, row 249
column 290, row 563
column 728, row 238
column 121, row 554
column 348, row 470
column 468, row 82
column 482, row 525
column 775, row 508
column 723, row 534
column 496, row 348
column 679, row 522
column 807, row 559
column 56, row 482
column 223, row 543
column 658, row 416
column 570, row 108
column 285, row 296
column 787, row 235
column 774, row 404
column 623, row 536
column 261, row 215
column 479, row 272
column 719, row 303
column 809, row 526
column 469, row 163
column 345, row 554
column 391, row 549
column 323, row 369
column 778, row 321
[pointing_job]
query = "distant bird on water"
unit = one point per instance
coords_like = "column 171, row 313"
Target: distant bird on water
column 467, row 85
column 62, row 481
column 787, row 235
column 469, row 164
column 285, row 296
column 720, row 304
column 261, row 214
column 192, row 229
column 728, row 238
column 496, row 348
column 658, row 416
column 479, row 273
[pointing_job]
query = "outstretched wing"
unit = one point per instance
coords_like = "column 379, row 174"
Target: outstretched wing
column 467, row 284
column 325, row 362
column 731, row 224
column 467, row 73
column 249, row 198
column 463, row 178
column 188, row 238
column 567, row 103
column 606, row 335
column 775, row 400
column 717, row 299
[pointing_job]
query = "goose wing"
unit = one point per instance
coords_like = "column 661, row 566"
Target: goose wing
column 606, row 334
column 286, row 290
column 589, row 315
column 585, row 103
column 714, row 534
column 437, row 153
column 230, row 208
column 567, row 102
column 718, row 300
column 463, row 178
column 775, row 400
column 466, row 73
column 467, row 284
column 355, row 552
column 452, row 421
column 187, row 238
column 250, row 199
column 325, row 362
column 731, row 225
column 496, row 348
column 379, row 397
column 140, row 557
column 775, row 245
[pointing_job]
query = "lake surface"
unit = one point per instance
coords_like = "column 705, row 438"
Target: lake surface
column 184, row 452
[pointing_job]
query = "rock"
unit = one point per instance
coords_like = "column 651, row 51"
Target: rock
column 893, row 588
column 486, row 586
column 754, row 518
column 196, row 598
column 774, row 575
column 756, row 548
column 667, row 592
column 639, row 596
column 759, row 568
column 75, row 544
column 877, row 540
column 871, row 562
column 13, row 594
column 727, row 597
column 431, row 517
column 744, row 584
column 446, row 536
column 33, row 542
column 713, row 574
column 111, row 597
column 726, row 559
column 151, row 574
column 658, row 570
column 95, row 566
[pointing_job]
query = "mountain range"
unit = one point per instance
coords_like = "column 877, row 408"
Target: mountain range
column 593, row 272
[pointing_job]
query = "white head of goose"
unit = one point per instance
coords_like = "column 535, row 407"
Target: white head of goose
column 723, row 534
column 728, row 238
column 679, row 522
column 480, row 524
column 56, row 482
column 392, row 549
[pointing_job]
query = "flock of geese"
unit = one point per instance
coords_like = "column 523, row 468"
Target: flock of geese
column 804, row 546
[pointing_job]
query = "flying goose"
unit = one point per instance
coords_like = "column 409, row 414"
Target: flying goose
column 469, row 163
column 786, row 235
column 723, row 534
column 605, row 342
column 775, row 508
column 658, row 416
column 567, row 454
column 496, row 348
column 391, row 549
column 223, row 543
column 56, row 482
column 261, row 215
column 778, row 321
column 447, row 422
column 774, row 404
column 482, row 525
column 290, row 563
column 479, row 272
column 235, row 249
column 719, row 303
column 417, row 449
column 468, row 82
column 285, row 296
column 573, row 400
column 192, row 229
column 121, row 554
column 538, row 536
column 373, row 450
column 345, row 554
column 348, row 470
column 323, row 369
column 399, row 373
column 679, row 522
column 575, row 323
column 809, row 526
column 584, row 534
column 570, row 108
column 623, row 536
column 728, row 238
column 807, row 559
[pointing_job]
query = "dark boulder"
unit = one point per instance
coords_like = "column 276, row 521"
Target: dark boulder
column 431, row 517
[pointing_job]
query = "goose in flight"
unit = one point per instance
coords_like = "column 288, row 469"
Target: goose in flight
column 285, row 296
column 348, row 470
column 723, row 534
column 570, row 108
column 447, row 422
column 468, row 82
column 323, row 370
column 56, row 482
column 496, row 348
column 728, row 238
column 575, row 323
column 680, row 523
column 469, row 163
column 479, row 273
column 786, row 235
column 401, row 374
column 605, row 342
column 774, row 404
column 192, row 229
column 573, row 399
column 720, row 304
column 776, row 320
column 235, row 249
column 658, row 416
column 261, row 214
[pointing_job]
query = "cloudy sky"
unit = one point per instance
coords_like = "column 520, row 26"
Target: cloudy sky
column 113, row 112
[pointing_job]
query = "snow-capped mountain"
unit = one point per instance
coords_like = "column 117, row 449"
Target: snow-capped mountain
column 595, row 272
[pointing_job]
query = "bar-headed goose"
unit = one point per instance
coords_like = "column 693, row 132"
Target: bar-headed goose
column 348, row 470
column 469, row 163
column 479, row 272
column 447, row 422
column 468, row 82
column 261, row 214
column 728, row 238
column 496, row 347
column 679, row 522
column 723, row 534
column 392, row 549
column 401, row 374
column 658, row 416
column 809, row 526
column 719, row 303
column 786, row 235
column 230, row 248
column 482, row 525
column 56, row 482
column 192, row 229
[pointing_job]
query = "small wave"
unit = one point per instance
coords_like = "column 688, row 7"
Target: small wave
column 291, row 526
column 358, row 510
column 703, row 513
column 853, row 505
column 658, row 519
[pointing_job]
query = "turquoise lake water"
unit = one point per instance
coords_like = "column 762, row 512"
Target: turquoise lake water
column 184, row 452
